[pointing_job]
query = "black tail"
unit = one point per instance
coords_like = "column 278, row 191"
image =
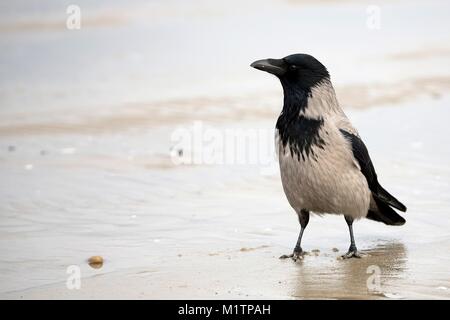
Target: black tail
column 384, row 196
column 385, row 214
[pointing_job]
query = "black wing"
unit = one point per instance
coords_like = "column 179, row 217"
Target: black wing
column 367, row 169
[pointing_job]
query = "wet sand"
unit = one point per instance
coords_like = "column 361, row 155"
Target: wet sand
column 216, row 231
column 262, row 276
column 87, row 168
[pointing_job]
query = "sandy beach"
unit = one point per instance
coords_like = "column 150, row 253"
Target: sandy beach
column 90, row 163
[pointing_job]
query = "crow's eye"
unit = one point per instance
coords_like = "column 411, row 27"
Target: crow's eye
column 292, row 67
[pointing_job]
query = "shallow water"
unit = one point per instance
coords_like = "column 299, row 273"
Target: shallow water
column 140, row 214
column 86, row 167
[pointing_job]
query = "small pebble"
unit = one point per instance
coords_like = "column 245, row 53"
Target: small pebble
column 435, row 95
column 335, row 250
column 96, row 262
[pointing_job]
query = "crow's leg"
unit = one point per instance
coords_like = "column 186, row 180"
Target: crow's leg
column 303, row 217
column 352, row 251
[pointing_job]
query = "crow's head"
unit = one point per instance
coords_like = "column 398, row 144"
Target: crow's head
column 297, row 71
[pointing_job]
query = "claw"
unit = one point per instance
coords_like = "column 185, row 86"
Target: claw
column 296, row 255
column 352, row 254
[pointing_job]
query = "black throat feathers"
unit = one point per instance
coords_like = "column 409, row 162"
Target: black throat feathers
column 296, row 131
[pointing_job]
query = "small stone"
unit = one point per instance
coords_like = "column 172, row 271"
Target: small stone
column 96, row 262
column 435, row 95
column 335, row 250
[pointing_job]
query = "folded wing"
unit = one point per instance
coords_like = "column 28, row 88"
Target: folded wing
column 383, row 199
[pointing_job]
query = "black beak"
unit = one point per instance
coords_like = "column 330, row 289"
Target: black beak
column 274, row 66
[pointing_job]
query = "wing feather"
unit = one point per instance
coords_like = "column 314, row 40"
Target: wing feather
column 361, row 154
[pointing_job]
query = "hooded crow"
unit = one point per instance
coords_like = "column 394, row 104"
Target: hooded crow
column 325, row 166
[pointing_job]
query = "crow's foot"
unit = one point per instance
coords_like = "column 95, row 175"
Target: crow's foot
column 296, row 255
column 352, row 253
